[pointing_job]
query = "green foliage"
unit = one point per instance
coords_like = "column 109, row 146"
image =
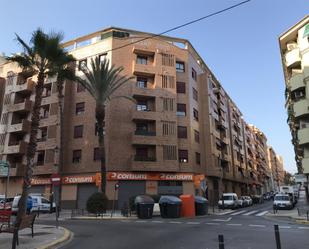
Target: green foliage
column 97, row 203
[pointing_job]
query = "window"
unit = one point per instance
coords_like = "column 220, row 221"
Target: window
column 141, row 59
column 195, row 114
column 195, row 94
column 141, row 126
column 81, row 64
column 197, row 158
column 141, row 105
column 44, row 112
column 183, row 156
column 181, row 87
column 42, row 134
column 77, row 156
column 182, row 131
column 168, row 81
column 181, row 110
column 78, row 131
column 141, row 82
column 194, row 74
column 96, row 154
column 80, row 88
column 168, row 104
column 41, row 157
column 169, row 152
column 45, row 201
column 80, row 108
column 102, row 57
column 168, row 128
column 180, row 67
column 196, row 136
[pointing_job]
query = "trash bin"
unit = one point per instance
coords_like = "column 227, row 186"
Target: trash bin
column 170, row 206
column 187, row 206
column 144, row 206
column 201, row 205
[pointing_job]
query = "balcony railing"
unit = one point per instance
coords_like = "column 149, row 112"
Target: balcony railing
column 145, row 133
column 144, row 158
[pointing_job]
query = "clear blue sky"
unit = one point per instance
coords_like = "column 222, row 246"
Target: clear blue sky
column 240, row 46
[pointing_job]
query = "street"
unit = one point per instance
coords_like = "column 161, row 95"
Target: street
column 242, row 229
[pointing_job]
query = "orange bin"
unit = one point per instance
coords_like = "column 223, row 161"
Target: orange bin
column 187, row 206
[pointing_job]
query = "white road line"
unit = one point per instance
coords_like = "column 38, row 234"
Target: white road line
column 157, row 221
column 303, row 227
column 193, row 223
column 222, row 219
column 209, row 223
column 284, row 227
column 239, row 212
column 224, row 213
column 233, row 224
column 252, row 212
column 175, row 222
column 256, row 225
column 262, row 213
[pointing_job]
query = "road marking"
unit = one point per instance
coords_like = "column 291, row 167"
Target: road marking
column 226, row 212
column 252, row 212
column 157, row 221
column 193, row 223
column 256, row 225
column 284, row 227
column 239, row 212
column 141, row 221
column 209, row 223
column 175, row 222
column 222, row 219
column 303, row 227
column 233, row 224
column 262, row 213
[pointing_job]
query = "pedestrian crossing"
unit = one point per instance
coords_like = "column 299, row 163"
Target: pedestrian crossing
column 249, row 212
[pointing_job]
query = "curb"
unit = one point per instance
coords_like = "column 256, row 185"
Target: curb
column 66, row 236
column 100, row 218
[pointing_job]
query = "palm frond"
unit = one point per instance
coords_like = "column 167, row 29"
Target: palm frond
column 23, row 61
column 25, row 46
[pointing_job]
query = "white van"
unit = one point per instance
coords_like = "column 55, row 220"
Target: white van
column 230, row 200
column 38, row 203
column 283, row 201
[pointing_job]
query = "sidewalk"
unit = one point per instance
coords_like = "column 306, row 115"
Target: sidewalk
column 293, row 214
column 44, row 237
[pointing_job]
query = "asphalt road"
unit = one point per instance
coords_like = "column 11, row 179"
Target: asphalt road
column 242, row 229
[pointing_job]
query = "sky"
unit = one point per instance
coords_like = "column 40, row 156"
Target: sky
column 240, row 46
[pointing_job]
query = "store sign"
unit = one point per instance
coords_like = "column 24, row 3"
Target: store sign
column 40, row 181
column 78, row 179
column 113, row 176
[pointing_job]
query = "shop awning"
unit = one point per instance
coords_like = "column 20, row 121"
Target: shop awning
column 306, row 32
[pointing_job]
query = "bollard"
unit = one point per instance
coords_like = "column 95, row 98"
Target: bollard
column 221, row 241
column 277, row 235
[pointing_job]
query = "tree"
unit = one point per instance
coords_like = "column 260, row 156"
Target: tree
column 64, row 72
column 39, row 58
column 101, row 81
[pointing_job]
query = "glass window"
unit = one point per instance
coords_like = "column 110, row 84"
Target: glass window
column 181, row 87
column 80, row 108
column 41, row 157
column 194, row 74
column 197, row 158
column 180, row 67
column 141, row 106
column 78, row 131
column 77, row 156
column 181, row 110
column 183, row 156
column 42, row 134
column 195, row 114
column 182, row 132
column 196, row 136
column 195, row 94
column 141, row 59
column 96, row 154
column 141, row 82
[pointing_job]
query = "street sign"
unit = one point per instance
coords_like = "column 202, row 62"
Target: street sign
column 55, row 179
column 4, row 168
column 203, row 185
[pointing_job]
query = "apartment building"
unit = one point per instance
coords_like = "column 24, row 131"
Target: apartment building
column 277, row 169
column 182, row 131
column 294, row 48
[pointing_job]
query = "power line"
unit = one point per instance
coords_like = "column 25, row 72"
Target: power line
column 181, row 26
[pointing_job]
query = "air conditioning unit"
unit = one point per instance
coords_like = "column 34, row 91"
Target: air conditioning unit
column 291, row 45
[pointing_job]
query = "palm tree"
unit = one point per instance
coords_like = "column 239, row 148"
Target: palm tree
column 39, row 57
column 64, row 72
column 101, row 81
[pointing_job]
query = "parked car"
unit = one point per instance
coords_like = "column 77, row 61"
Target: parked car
column 6, row 203
column 35, row 203
column 257, row 199
column 283, row 201
column 247, row 200
column 230, row 200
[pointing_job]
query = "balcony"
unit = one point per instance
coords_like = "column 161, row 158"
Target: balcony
column 16, row 148
column 25, row 88
column 22, row 127
column 301, row 108
column 305, row 164
column 303, row 136
column 144, row 69
column 147, row 115
column 20, row 107
column 296, row 81
column 138, row 158
column 292, row 58
column 144, row 137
